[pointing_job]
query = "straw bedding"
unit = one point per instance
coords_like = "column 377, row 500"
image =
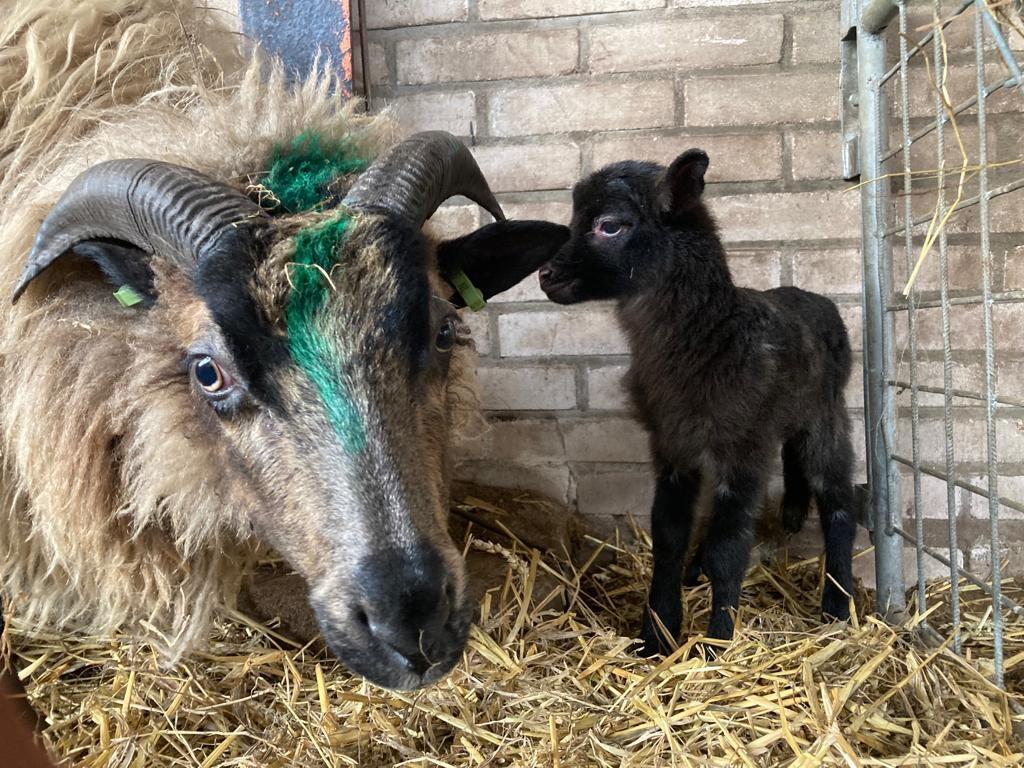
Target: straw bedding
column 549, row 679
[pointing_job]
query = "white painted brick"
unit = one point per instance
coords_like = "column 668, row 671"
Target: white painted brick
column 451, row 111
column 1011, row 560
column 479, row 326
column 558, row 211
column 532, row 388
column 748, row 157
column 628, row 492
column 526, row 441
column 609, row 106
column 1007, row 215
column 762, row 99
column 519, row 9
column 853, row 318
column 376, row 60
column 725, row 41
column 968, row 376
column 963, row 265
column 816, row 37
column 451, row 221
column 831, row 271
column 579, row 332
column 606, row 439
column 409, row 13
column 855, row 386
column 1008, row 486
column 760, row 270
column 958, row 36
column 787, row 216
column 489, row 56
column 966, row 328
column 1009, row 379
column 864, row 566
column 969, row 440
column 551, row 480
column 816, row 155
column 1009, row 439
column 605, row 390
column 721, row 3
column 527, row 290
column 932, row 503
column 961, row 84
column 528, row 167
column 1013, row 267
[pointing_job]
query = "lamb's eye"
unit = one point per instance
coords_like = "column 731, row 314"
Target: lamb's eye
column 445, row 336
column 609, row 227
column 210, row 376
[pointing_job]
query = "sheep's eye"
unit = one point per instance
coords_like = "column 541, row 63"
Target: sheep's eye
column 210, row 376
column 445, row 336
column 610, row 227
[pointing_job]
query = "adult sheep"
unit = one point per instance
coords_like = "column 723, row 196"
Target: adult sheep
column 284, row 363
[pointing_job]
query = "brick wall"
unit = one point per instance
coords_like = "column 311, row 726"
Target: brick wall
column 548, row 90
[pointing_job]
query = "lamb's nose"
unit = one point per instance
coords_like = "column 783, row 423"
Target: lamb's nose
column 544, row 273
column 406, row 604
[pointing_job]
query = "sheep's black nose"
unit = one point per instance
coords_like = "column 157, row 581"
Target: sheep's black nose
column 544, row 273
column 406, row 604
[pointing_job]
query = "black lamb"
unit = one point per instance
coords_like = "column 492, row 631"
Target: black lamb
column 720, row 376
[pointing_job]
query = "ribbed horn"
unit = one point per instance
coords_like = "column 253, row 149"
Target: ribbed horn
column 414, row 177
column 155, row 206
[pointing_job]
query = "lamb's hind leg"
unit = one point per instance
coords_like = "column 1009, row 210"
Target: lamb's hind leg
column 828, row 462
column 727, row 547
column 671, row 521
column 797, row 497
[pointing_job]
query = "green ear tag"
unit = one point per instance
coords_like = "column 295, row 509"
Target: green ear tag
column 127, row 297
column 469, row 292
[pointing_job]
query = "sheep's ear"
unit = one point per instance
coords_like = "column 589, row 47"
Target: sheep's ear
column 124, row 266
column 499, row 255
column 683, row 182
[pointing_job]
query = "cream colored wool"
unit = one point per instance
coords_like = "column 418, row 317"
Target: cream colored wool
column 113, row 510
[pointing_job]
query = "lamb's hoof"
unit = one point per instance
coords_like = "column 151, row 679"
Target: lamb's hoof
column 793, row 516
column 691, row 576
column 650, row 648
column 721, row 626
column 835, row 606
column 654, row 641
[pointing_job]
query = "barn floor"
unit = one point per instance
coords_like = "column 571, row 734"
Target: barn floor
column 544, row 686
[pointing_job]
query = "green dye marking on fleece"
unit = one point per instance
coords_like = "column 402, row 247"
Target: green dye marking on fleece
column 300, row 176
column 315, row 249
column 302, row 171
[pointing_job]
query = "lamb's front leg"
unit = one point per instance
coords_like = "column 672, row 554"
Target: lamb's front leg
column 671, row 520
column 727, row 547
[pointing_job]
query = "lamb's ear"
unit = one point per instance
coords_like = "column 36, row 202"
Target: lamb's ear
column 499, row 255
column 124, row 266
column 683, row 182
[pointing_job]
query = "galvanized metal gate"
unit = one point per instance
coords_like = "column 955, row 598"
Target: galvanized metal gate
column 912, row 193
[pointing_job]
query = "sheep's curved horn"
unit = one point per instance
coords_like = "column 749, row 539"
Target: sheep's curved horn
column 153, row 205
column 414, row 177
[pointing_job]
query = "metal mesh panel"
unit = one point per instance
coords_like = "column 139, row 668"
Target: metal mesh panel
column 945, row 78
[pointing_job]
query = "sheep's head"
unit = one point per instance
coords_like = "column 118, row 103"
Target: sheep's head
column 624, row 219
column 308, row 358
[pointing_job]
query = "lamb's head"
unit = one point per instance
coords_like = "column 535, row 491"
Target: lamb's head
column 306, row 367
column 625, row 218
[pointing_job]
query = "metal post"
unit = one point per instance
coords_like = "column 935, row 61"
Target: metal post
column 879, row 399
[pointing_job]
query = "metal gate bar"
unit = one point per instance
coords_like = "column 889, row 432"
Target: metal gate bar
column 868, row 21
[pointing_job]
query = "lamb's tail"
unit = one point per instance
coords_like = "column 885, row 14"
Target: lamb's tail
column 66, row 64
